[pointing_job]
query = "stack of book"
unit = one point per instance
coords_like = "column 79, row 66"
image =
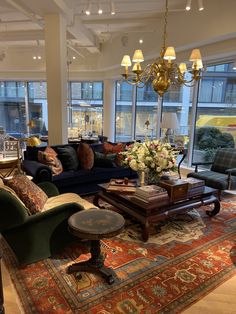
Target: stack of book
column 150, row 196
column 195, row 186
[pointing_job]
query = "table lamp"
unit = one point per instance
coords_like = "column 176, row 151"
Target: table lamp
column 170, row 123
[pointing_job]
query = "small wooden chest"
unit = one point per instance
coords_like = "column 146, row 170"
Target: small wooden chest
column 177, row 189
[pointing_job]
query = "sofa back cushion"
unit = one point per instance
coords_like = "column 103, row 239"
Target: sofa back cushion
column 68, row 157
column 49, row 158
column 86, row 156
column 225, row 158
column 105, row 161
column 30, row 194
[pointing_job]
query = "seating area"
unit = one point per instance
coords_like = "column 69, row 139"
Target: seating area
column 117, row 156
column 82, row 166
column 35, row 234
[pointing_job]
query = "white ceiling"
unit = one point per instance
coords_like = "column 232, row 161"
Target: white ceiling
column 99, row 41
column 22, row 21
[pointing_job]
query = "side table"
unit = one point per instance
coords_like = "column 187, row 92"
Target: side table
column 95, row 224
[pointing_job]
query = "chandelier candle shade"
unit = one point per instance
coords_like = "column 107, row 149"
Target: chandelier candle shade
column 164, row 72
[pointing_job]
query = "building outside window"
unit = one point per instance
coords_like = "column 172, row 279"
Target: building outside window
column 216, row 112
column 38, row 108
column 85, row 109
column 124, row 94
column 12, row 108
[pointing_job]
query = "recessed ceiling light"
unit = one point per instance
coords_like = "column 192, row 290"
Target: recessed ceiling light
column 140, row 40
column 188, row 5
column 74, row 57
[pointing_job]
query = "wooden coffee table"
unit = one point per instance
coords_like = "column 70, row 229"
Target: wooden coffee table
column 150, row 216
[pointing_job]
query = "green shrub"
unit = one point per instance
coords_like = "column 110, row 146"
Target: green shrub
column 211, row 138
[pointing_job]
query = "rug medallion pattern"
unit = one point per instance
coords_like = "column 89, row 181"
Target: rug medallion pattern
column 184, row 259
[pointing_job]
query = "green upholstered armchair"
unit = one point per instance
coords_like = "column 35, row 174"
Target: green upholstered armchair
column 38, row 236
column 222, row 174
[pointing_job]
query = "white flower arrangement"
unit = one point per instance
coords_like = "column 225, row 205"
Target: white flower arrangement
column 153, row 157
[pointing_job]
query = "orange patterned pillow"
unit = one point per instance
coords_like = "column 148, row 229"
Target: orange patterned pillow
column 49, row 158
column 86, row 156
column 31, row 195
column 112, row 149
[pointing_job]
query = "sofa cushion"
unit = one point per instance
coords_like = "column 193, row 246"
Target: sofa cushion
column 49, row 158
column 65, row 199
column 31, row 195
column 109, row 148
column 86, row 156
column 68, row 158
column 104, row 161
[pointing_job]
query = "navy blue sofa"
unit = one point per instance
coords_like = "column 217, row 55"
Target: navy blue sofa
column 79, row 181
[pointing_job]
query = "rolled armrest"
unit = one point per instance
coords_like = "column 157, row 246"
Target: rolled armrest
column 37, row 170
column 49, row 188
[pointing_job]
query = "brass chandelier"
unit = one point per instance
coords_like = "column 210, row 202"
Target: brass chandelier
column 164, row 72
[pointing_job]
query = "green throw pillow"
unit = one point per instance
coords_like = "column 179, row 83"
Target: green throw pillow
column 68, row 157
column 104, row 161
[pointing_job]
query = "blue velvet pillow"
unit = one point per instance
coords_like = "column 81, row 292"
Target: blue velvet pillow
column 104, row 160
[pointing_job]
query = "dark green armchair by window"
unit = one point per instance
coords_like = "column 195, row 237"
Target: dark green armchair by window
column 222, row 174
column 38, row 236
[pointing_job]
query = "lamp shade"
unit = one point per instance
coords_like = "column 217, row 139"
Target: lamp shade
column 195, row 55
column 138, row 56
column 198, row 64
column 33, row 141
column 137, row 67
column 170, row 120
column 126, row 61
column 170, row 53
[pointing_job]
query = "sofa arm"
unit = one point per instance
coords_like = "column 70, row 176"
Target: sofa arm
column 37, row 170
column 49, row 188
column 196, row 164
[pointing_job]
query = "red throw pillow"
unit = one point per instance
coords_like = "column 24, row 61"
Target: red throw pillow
column 86, row 156
column 114, row 149
column 31, row 195
column 49, row 158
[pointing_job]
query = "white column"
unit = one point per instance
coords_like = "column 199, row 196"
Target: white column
column 109, row 110
column 56, row 69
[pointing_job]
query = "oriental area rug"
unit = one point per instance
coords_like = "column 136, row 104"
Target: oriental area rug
column 184, row 259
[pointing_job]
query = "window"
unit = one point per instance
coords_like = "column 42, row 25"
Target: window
column 85, row 109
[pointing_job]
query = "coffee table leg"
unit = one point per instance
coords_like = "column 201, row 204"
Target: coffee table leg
column 145, row 231
column 216, row 208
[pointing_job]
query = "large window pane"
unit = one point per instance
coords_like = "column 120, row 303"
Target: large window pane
column 86, row 107
column 12, row 108
column 123, row 111
column 38, row 108
column 216, row 112
column 146, row 113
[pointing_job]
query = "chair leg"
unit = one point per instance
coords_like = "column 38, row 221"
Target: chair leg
column 219, row 195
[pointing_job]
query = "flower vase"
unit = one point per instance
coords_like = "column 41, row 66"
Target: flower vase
column 141, row 178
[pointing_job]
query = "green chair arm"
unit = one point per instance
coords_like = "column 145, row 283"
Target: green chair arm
column 53, row 212
column 49, row 188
